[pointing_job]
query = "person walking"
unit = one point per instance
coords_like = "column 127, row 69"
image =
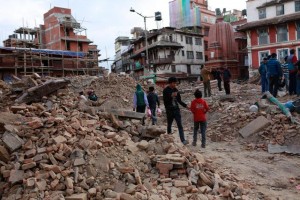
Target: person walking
column 205, row 73
column 226, row 80
column 140, row 101
column 285, row 70
column 219, row 78
column 172, row 98
column 291, row 61
column 153, row 102
column 199, row 108
column 263, row 75
column 274, row 73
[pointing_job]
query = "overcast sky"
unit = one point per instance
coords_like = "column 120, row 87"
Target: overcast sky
column 104, row 19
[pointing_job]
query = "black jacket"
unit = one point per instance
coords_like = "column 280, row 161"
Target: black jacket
column 170, row 102
column 152, row 99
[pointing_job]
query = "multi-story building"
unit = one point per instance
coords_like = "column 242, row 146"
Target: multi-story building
column 121, row 44
column 58, row 47
column 273, row 26
column 186, row 13
column 172, row 52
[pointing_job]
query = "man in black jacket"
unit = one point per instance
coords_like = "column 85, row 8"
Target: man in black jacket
column 171, row 98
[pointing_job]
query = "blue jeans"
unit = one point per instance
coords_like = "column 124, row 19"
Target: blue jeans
column 298, row 86
column 264, row 84
column 153, row 115
column 171, row 115
column 292, row 83
column 203, row 126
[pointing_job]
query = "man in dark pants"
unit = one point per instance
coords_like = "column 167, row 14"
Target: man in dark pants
column 171, row 98
column 153, row 101
column 274, row 72
column 219, row 79
column 226, row 80
column 291, row 62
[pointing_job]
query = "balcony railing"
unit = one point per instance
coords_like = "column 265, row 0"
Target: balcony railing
column 168, row 60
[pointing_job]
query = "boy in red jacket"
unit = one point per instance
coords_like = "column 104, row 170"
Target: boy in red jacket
column 199, row 107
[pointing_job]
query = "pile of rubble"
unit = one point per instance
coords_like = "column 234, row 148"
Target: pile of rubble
column 60, row 148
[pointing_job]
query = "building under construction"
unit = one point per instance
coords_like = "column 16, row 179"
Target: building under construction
column 59, row 47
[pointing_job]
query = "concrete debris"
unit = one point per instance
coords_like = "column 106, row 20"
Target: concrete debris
column 61, row 148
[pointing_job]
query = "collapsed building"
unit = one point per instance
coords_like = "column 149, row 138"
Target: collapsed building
column 59, row 47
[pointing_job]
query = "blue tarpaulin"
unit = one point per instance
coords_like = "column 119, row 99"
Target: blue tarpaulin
column 47, row 51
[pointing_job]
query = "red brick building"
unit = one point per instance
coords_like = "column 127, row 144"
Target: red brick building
column 272, row 27
column 59, row 47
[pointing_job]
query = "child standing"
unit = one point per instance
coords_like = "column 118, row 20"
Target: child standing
column 199, row 108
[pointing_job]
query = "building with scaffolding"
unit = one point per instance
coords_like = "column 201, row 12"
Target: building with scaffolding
column 59, row 47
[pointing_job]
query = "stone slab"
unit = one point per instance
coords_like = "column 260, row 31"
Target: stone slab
column 254, row 126
column 81, row 196
column 12, row 141
column 291, row 149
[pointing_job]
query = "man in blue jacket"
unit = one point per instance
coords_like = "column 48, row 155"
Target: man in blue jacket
column 274, row 74
column 263, row 75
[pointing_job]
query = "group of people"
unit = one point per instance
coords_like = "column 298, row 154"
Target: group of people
column 274, row 74
column 91, row 96
column 219, row 74
column 172, row 99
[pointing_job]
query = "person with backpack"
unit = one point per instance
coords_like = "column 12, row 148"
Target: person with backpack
column 199, row 108
column 140, row 101
column 92, row 95
column 153, row 102
column 291, row 61
column 263, row 75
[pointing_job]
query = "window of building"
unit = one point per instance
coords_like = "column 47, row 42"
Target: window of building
column 280, row 10
column 190, row 54
column 262, row 13
column 173, row 68
column 198, row 41
column 188, row 40
column 282, row 53
column 188, row 69
column 206, row 31
column 181, row 37
column 298, row 30
column 262, row 55
column 263, row 36
column 282, row 33
column 182, row 53
column 80, row 46
column 199, row 55
column 205, row 19
column 170, row 37
column 297, row 6
column 68, row 46
column 205, row 45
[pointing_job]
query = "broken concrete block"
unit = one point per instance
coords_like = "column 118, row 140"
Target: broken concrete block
column 12, row 141
column 143, row 145
column 254, row 126
column 60, row 139
column 16, row 176
column 181, row 183
column 82, row 196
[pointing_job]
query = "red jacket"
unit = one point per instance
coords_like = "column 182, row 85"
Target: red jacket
column 199, row 107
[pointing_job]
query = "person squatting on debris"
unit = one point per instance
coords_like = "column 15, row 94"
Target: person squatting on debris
column 285, row 71
column 291, row 61
column 153, row 102
column 199, row 108
column 274, row 74
column 140, row 101
column 263, row 75
column 205, row 73
column 82, row 97
column 226, row 80
column 171, row 99
column 92, row 96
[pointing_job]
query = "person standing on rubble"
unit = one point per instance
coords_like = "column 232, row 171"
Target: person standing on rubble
column 199, row 108
column 219, row 78
column 263, row 75
column 171, row 97
column 153, row 102
column 291, row 61
column 274, row 73
column 226, row 80
column 140, row 101
column 285, row 70
column 205, row 73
